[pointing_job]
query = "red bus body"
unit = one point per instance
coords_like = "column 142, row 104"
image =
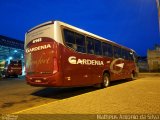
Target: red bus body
column 50, row 62
column 13, row 69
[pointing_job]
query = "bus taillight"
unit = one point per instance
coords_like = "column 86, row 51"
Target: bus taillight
column 55, row 63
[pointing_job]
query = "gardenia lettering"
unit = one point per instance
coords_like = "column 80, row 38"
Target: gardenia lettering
column 28, row 50
column 74, row 60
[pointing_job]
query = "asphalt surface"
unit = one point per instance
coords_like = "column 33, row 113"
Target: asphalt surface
column 141, row 96
column 16, row 95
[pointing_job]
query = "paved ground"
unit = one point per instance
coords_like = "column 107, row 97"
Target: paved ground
column 16, row 95
column 141, row 96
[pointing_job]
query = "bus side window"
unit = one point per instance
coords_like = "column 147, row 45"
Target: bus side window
column 110, row 50
column 126, row 55
column 117, row 52
column 70, row 39
column 123, row 54
column 74, row 46
column 98, row 48
column 80, row 42
column 107, row 50
column 69, row 36
column 90, row 45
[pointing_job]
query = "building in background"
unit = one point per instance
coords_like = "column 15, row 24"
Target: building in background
column 10, row 49
column 143, row 64
column 153, row 57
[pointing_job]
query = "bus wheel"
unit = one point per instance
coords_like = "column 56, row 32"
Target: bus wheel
column 133, row 76
column 6, row 76
column 16, row 76
column 105, row 81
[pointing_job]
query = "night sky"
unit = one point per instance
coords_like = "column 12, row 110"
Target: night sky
column 132, row 23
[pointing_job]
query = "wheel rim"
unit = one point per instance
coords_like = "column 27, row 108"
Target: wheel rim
column 132, row 76
column 106, row 81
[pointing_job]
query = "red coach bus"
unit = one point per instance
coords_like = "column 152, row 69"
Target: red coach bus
column 61, row 55
column 14, row 68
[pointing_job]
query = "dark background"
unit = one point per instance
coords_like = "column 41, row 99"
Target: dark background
column 132, row 23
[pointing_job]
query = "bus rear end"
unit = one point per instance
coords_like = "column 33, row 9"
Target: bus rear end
column 14, row 68
column 41, row 55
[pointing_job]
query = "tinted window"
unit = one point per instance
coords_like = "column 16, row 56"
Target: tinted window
column 127, row 55
column 124, row 55
column 69, row 36
column 80, row 42
column 98, row 49
column 110, row 50
column 107, row 50
column 81, row 49
column 75, row 41
column 90, row 45
column 117, row 52
column 73, row 46
column 80, row 39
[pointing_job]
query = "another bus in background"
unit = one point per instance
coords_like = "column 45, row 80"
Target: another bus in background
column 14, row 68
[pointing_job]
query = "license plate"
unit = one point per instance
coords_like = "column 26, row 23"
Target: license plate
column 38, row 81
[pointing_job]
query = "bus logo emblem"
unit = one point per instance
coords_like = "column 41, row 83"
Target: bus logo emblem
column 120, row 65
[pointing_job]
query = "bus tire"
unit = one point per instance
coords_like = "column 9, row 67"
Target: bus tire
column 133, row 76
column 105, row 81
column 16, row 76
column 6, row 76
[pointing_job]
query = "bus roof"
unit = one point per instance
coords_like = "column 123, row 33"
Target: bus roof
column 78, row 30
column 91, row 34
column 40, row 25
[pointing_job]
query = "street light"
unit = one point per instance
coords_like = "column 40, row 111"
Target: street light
column 15, row 51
